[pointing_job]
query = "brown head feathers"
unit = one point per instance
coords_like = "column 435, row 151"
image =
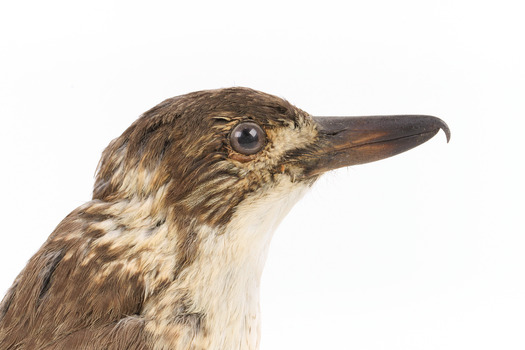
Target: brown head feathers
column 183, row 144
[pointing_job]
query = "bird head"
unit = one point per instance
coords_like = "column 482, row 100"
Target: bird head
column 205, row 153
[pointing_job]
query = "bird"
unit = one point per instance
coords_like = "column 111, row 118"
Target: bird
column 169, row 252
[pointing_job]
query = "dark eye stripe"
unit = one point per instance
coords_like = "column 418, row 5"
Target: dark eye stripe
column 247, row 138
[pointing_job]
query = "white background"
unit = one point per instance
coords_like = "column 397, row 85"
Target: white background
column 421, row 251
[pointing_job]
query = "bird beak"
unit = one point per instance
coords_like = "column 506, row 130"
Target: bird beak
column 348, row 141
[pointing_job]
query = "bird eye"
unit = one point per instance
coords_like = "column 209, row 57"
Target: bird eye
column 247, row 138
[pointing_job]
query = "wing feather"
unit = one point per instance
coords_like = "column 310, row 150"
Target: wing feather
column 75, row 291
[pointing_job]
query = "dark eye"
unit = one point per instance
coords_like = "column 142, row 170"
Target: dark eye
column 247, row 138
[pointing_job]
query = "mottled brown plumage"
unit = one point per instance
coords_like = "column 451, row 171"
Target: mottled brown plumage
column 168, row 253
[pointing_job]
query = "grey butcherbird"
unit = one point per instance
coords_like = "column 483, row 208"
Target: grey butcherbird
column 169, row 252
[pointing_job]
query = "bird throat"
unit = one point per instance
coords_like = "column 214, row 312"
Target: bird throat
column 222, row 284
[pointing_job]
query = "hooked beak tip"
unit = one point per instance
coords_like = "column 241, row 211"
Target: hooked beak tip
column 446, row 129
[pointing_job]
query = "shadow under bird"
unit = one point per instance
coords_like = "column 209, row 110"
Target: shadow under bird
column 169, row 252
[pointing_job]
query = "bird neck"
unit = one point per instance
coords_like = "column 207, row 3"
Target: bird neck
column 226, row 289
column 220, row 288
